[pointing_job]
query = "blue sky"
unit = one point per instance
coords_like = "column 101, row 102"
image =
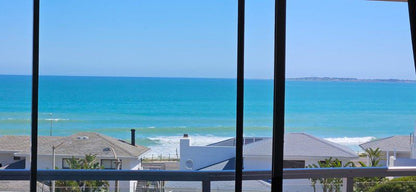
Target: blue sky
column 191, row 38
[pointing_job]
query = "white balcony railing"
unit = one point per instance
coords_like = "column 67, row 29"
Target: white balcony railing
column 206, row 177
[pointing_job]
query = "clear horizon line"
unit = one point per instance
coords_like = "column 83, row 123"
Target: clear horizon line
column 173, row 77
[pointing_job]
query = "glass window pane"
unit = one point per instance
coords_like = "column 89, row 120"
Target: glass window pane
column 107, row 164
column 162, row 68
column 15, row 90
column 350, row 81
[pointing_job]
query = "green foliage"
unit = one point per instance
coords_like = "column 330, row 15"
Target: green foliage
column 402, row 184
column 329, row 184
column 374, row 156
column 364, row 184
column 89, row 162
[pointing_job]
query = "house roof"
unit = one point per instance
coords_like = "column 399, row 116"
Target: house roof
column 228, row 164
column 78, row 144
column 393, row 143
column 301, row 145
column 231, row 141
column 16, row 165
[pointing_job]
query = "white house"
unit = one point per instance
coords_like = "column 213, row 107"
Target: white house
column 15, row 152
column 398, row 150
column 300, row 150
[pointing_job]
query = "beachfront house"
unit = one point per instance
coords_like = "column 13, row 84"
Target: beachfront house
column 396, row 150
column 300, row 150
column 55, row 150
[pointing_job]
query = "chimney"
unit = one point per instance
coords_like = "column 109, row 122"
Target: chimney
column 133, row 137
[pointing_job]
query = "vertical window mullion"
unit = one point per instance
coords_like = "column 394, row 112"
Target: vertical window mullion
column 35, row 94
column 279, row 95
column 412, row 20
column 240, row 98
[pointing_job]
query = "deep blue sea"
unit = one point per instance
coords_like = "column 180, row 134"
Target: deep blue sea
column 162, row 109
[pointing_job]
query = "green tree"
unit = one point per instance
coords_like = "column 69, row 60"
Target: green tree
column 364, row 184
column 402, row 184
column 329, row 184
column 89, row 162
column 374, row 156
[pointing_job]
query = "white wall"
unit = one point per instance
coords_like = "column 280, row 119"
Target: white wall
column 262, row 162
column 405, row 162
column 203, row 156
column 45, row 162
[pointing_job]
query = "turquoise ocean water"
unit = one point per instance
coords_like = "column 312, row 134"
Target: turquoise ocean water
column 162, row 109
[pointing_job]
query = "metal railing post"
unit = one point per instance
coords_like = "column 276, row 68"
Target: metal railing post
column 350, row 184
column 206, row 186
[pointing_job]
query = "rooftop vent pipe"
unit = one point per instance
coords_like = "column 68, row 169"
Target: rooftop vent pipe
column 133, row 137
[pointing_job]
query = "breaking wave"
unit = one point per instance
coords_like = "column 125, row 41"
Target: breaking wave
column 349, row 141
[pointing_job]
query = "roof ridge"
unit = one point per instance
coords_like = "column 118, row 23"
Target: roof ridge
column 329, row 142
column 379, row 139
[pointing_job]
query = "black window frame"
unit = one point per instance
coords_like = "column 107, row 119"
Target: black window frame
column 278, row 98
column 65, row 161
column 113, row 163
column 294, row 164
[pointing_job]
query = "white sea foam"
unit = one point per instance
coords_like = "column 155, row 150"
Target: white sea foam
column 169, row 145
column 56, row 119
column 350, row 141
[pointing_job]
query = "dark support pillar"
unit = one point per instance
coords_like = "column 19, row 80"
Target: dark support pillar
column 206, row 186
column 412, row 18
column 240, row 98
column 35, row 86
column 350, row 184
column 279, row 95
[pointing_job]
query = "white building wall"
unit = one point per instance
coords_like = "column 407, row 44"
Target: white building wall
column 27, row 162
column 197, row 157
column 203, row 156
column 45, row 162
column 253, row 162
column 135, row 164
column 405, row 162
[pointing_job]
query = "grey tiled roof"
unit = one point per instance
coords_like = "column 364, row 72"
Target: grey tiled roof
column 301, row 145
column 296, row 144
column 307, row 145
column 16, row 165
column 231, row 141
column 78, row 144
column 393, row 143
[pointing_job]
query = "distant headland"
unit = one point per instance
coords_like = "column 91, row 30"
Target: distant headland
column 346, row 79
column 349, row 79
